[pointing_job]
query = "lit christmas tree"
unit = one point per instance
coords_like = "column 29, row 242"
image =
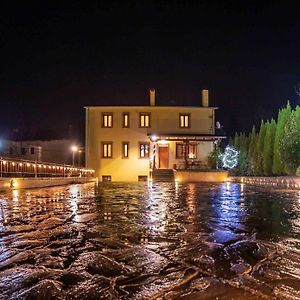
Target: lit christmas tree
column 230, row 157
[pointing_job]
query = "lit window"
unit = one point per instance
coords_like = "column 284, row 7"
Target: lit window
column 144, row 150
column 107, row 150
column 125, row 149
column 107, row 120
column 145, row 120
column 191, row 151
column 125, row 120
column 184, row 120
column 106, row 178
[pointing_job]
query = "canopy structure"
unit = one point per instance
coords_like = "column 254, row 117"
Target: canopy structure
column 184, row 137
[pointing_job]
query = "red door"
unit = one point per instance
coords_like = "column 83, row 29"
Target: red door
column 163, row 153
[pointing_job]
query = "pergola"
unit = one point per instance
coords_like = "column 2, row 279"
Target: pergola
column 186, row 138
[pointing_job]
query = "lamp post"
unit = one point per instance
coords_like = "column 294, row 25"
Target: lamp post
column 74, row 149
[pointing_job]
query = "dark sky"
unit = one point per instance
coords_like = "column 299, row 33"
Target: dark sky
column 57, row 59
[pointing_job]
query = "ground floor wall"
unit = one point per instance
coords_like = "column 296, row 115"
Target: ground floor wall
column 201, row 176
column 133, row 168
column 276, row 182
column 23, row 183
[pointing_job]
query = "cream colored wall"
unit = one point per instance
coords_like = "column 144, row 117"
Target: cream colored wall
column 163, row 120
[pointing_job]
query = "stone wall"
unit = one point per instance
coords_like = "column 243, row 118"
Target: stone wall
column 279, row 182
column 201, row 176
column 25, row 183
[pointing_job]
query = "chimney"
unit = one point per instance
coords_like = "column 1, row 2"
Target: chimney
column 205, row 98
column 152, row 97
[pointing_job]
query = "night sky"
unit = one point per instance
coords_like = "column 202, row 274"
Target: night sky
column 57, row 59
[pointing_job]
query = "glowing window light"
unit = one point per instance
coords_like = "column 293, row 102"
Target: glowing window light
column 20, row 164
column 28, row 165
column 13, row 164
column 40, row 166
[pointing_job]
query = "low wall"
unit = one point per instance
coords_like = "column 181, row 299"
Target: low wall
column 201, row 176
column 280, row 182
column 28, row 183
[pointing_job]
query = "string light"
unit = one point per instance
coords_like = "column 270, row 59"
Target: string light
column 230, row 157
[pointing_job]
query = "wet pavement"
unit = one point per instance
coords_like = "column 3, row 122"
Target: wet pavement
column 158, row 241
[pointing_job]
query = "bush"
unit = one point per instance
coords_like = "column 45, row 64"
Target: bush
column 298, row 171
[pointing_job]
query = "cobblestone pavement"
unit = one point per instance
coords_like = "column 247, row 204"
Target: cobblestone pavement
column 157, row 241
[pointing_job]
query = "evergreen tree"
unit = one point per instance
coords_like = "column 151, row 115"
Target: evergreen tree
column 268, row 148
column 258, row 165
column 237, row 141
column 251, row 150
column 230, row 142
column 243, row 155
column 290, row 143
column 278, row 164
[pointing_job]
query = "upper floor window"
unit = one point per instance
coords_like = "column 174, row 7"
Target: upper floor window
column 125, row 149
column 145, row 120
column 107, row 120
column 126, row 120
column 144, row 150
column 107, row 149
column 184, row 120
column 31, row 150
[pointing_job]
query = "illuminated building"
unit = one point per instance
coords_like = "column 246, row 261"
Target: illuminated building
column 125, row 143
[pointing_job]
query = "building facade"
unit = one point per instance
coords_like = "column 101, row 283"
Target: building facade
column 125, row 143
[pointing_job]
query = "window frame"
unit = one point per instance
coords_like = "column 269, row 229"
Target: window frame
column 123, row 120
column 144, row 143
column 182, row 144
column 102, row 150
column 103, row 114
column 189, row 120
column 123, row 152
column 140, row 120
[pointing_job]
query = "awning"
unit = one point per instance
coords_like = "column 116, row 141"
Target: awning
column 184, row 137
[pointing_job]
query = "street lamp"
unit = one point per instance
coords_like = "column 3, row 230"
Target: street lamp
column 74, row 149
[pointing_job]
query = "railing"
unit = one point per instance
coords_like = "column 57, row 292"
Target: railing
column 27, row 168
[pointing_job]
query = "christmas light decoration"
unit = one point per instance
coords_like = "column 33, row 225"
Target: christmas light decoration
column 230, row 157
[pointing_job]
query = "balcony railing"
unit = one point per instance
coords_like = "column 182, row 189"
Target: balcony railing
column 27, row 168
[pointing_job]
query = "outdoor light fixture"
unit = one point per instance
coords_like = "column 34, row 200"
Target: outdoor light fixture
column 154, row 138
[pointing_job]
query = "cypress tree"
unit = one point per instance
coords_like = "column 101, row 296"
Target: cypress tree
column 278, row 164
column 258, row 167
column 252, row 143
column 290, row 143
column 268, row 148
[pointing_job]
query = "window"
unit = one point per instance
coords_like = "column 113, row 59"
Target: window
column 32, row 150
column 107, row 120
column 126, row 120
column 106, row 178
column 142, row 178
column 107, row 149
column 23, row 151
column 184, row 120
column 191, row 153
column 145, row 120
column 144, row 150
column 125, row 149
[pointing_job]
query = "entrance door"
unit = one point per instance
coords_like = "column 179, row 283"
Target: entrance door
column 163, row 153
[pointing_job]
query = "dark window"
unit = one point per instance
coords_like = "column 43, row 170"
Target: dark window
column 125, row 149
column 32, row 150
column 106, row 178
column 142, row 178
column 145, row 121
column 107, row 120
column 107, row 149
column 126, row 121
column 23, row 151
column 144, row 150
column 184, row 120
